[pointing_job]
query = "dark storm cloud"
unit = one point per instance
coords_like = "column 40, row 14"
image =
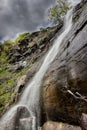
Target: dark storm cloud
column 17, row 16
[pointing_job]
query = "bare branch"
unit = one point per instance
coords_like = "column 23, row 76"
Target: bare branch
column 77, row 95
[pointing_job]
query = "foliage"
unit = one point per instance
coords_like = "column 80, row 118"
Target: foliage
column 8, row 79
column 59, row 10
column 21, row 36
column 6, row 87
column 8, row 44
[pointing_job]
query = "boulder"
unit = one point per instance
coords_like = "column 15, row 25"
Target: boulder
column 59, row 126
column 84, row 121
column 14, row 119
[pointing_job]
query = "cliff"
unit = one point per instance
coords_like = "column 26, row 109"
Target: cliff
column 64, row 92
column 65, row 83
column 19, row 62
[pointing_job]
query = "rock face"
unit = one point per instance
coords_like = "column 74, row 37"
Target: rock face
column 65, row 83
column 33, row 45
column 59, row 126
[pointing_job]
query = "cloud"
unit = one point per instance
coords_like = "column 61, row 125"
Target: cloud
column 18, row 16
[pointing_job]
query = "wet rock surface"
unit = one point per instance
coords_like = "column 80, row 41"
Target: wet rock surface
column 17, row 117
column 25, row 124
column 65, row 83
column 13, row 121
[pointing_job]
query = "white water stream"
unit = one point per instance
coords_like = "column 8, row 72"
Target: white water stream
column 31, row 95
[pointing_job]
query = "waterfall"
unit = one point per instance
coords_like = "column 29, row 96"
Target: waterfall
column 31, row 96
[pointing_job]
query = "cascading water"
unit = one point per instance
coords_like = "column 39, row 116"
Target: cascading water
column 31, row 96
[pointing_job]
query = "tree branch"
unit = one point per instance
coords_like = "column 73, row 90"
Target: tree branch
column 77, row 95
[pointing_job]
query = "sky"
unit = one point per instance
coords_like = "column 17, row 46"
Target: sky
column 18, row 16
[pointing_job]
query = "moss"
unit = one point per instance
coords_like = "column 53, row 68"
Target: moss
column 3, row 58
column 21, row 36
column 78, row 13
column 4, row 73
column 1, row 109
column 5, row 98
column 83, row 7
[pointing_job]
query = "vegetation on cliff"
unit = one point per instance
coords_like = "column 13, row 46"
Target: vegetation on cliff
column 8, row 77
column 58, row 11
column 16, row 59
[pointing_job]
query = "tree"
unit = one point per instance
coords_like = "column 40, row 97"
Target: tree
column 58, row 11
